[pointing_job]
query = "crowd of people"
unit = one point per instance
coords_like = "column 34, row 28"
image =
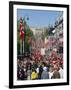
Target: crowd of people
column 32, row 68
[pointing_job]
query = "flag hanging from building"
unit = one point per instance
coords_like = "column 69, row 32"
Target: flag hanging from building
column 21, row 29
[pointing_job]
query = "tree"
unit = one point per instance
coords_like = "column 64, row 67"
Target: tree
column 27, row 39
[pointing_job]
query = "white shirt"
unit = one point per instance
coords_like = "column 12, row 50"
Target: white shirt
column 61, row 72
column 37, row 70
column 50, row 75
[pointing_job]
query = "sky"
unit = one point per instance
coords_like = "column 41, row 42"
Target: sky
column 38, row 18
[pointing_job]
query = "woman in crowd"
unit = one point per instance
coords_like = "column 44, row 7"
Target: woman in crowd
column 34, row 75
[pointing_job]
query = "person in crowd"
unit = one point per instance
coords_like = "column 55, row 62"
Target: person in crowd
column 45, row 74
column 56, row 74
column 24, row 72
column 29, row 73
column 34, row 75
column 50, row 72
column 40, row 71
column 18, row 69
column 28, row 63
column 21, row 74
column 61, row 71
column 34, row 65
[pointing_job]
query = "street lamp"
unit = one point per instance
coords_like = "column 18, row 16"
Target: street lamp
column 25, row 25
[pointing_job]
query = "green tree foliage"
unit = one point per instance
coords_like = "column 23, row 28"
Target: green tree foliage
column 18, row 37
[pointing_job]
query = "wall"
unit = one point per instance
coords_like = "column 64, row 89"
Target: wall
column 4, row 46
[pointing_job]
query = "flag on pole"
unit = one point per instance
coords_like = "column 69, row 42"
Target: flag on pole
column 21, row 29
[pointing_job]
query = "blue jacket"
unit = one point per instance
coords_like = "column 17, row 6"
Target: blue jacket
column 44, row 75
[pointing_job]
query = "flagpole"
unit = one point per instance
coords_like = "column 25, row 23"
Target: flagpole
column 22, row 36
column 22, row 48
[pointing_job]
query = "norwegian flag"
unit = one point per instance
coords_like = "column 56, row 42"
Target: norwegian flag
column 21, row 29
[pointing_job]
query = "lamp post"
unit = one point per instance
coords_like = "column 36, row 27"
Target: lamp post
column 21, row 35
column 24, row 43
column 24, row 35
